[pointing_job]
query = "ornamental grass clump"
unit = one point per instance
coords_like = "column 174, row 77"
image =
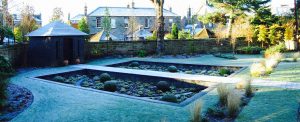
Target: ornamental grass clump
column 258, row 69
column 196, row 112
column 223, row 92
column 248, row 88
column 270, row 64
column 233, row 103
column 296, row 56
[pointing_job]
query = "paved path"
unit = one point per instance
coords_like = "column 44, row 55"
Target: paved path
column 205, row 78
column 279, row 84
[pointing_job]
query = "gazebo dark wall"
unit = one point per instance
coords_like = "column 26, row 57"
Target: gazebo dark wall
column 53, row 50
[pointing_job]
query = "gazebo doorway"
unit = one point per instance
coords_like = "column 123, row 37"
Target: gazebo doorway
column 68, row 49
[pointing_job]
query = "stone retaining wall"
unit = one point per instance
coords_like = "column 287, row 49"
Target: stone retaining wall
column 17, row 54
column 171, row 47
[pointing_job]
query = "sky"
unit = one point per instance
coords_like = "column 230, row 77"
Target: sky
column 75, row 7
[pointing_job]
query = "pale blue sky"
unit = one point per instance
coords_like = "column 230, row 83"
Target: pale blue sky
column 76, row 6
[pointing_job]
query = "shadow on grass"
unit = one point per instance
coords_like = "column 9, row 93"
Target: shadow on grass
column 272, row 104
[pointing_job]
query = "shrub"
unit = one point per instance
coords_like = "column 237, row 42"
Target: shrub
column 3, row 85
column 169, row 36
column 277, row 56
column 184, row 35
column 274, row 49
column 296, row 56
column 223, row 72
column 258, row 69
column 134, row 64
column 233, row 103
column 141, row 53
column 163, row 86
column 110, row 86
column 250, row 50
column 105, row 77
column 223, row 93
column 172, row 69
column 153, row 37
column 169, row 98
column 59, row 79
column 5, row 66
column 248, row 88
column 6, row 71
column 196, row 112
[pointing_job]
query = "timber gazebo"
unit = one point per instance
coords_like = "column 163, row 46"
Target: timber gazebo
column 55, row 44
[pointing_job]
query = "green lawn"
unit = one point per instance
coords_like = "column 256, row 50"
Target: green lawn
column 271, row 104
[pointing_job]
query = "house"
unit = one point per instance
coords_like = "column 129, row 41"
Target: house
column 55, row 43
column 190, row 21
column 17, row 19
column 204, row 34
column 75, row 20
column 121, row 20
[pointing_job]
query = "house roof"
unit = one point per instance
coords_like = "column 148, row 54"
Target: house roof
column 56, row 28
column 204, row 33
column 19, row 17
column 100, row 36
column 140, row 33
column 77, row 17
column 124, row 11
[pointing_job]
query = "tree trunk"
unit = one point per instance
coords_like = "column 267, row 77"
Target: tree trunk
column 296, row 24
column 229, row 29
column 160, row 25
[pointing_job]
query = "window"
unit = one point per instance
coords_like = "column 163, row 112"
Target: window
column 210, row 25
column 170, row 22
column 126, row 22
column 147, row 22
column 113, row 23
column 98, row 22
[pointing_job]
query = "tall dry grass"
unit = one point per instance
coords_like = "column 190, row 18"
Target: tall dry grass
column 248, row 88
column 296, row 56
column 258, row 69
column 233, row 103
column 223, row 92
column 196, row 112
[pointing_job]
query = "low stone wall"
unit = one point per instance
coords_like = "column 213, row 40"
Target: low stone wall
column 16, row 54
column 171, row 47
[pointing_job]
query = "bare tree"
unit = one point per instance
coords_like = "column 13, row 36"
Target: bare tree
column 133, row 25
column 57, row 15
column 28, row 24
column 159, row 4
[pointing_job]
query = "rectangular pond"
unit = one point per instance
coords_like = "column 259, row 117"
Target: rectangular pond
column 148, row 88
column 195, row 69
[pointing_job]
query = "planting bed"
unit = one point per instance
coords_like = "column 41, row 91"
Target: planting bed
column 18, row 99
column 143, row 87
column 181, row 68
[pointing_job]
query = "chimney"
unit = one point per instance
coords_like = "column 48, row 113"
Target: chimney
column 128, row 6
column 189, row 13
column 170, row 9
column 85, row 10
column 69, row 16
column 132, row 4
